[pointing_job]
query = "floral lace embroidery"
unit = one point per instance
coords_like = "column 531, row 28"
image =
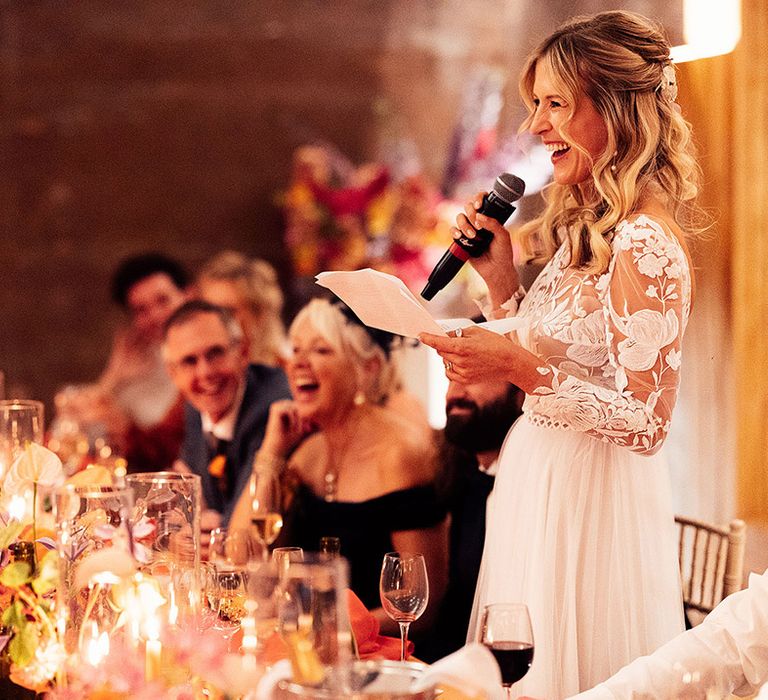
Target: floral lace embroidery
column 611, row 342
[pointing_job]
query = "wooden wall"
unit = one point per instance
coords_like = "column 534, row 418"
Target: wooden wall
column 127, row 126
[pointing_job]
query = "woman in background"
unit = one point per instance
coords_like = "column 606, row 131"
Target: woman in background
column 250, row 290
column 365, row 473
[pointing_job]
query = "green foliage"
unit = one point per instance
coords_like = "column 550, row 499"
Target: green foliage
column 15, row 575
column 47, row 574
column 9, row 534
column 14, row 615
column 23, row 646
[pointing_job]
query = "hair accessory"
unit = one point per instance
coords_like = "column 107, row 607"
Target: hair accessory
column 667, row 88
column 383, row 339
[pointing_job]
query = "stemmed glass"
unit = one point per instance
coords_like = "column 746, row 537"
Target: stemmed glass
column 230, row 552
column 404, row 591
column 264, row 492
column 506, row 631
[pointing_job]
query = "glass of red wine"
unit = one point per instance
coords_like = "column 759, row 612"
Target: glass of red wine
column 506, row 631
column 404, row 591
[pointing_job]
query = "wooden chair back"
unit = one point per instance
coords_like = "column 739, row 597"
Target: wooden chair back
column 711, row 561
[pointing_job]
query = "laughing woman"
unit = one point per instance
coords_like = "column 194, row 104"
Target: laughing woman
column 580, row 524
column 365, row 472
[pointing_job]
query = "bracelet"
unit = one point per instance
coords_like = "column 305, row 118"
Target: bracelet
column 265, row 462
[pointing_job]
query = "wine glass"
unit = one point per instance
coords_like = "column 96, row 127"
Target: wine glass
column 233, row 548
column 506, row 630
column 404, row 591
column 264, row 492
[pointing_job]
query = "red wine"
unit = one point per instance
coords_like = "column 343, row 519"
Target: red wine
column 514, row 659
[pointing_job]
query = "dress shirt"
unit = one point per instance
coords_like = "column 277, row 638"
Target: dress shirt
column 224, row 429
column 730, row 647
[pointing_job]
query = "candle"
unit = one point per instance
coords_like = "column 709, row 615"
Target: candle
column 152, row 665
column 154, row 651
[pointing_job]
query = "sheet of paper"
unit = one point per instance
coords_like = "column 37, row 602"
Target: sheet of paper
column 383, row 301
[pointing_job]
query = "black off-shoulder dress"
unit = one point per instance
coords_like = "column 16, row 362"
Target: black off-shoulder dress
column 364, row 528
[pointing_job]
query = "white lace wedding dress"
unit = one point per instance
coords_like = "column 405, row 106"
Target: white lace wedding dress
column 580, row 523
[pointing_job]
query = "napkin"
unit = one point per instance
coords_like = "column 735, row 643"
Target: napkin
column 470, row 672
column 365, row 627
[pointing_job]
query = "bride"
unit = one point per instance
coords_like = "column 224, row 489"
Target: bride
column 580, row 524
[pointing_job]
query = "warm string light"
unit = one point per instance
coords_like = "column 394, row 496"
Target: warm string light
column 710, row 28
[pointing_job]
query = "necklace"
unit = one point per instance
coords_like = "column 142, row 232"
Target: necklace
column 333, row 465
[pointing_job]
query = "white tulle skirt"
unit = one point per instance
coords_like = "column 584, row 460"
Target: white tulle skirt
column 582, row 532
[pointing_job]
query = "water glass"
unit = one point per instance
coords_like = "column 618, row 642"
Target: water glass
column 166, row 519
column 404, row 591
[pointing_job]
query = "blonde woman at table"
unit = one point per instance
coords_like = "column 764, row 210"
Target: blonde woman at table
column 580, row 523
column 365, row 473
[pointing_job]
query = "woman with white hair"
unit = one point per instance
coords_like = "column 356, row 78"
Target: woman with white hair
column 365, row 472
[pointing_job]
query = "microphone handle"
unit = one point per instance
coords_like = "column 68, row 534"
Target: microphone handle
column 494, row 207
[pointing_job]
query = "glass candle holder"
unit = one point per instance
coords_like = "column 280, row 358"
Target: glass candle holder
column 166, row 521
column 21, row 422
column 305, row 603
column 95, row 548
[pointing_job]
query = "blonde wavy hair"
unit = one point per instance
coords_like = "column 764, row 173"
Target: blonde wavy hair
column 355, row 344
column 617, row 60
column 257, row 285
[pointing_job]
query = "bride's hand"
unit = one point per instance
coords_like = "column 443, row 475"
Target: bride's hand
column 496, row 266
column 479, row 355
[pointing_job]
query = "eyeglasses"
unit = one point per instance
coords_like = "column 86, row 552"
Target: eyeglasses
column 214, row 356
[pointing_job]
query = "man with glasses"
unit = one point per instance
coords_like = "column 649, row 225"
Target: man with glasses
column 227, row 400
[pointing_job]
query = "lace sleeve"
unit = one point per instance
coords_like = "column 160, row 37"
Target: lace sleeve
column 645, row 299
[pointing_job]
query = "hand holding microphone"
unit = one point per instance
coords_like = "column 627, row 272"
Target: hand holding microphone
column 497, row 205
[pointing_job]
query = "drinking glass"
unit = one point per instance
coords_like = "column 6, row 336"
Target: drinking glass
column 21, row 422
column 95, row 548
column 266, row 518
column 404, row 591
column 506, row 631
column 230, row 548
column 166, row 525
column 283, row 556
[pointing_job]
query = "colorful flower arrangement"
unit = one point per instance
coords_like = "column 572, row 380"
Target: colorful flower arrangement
column 339, row 217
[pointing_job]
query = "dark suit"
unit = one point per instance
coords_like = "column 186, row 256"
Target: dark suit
column 263, row 386
column 467, row 491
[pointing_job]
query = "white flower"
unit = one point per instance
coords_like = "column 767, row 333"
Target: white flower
column 673, row 359
column 651, row 265
column 647, row 333
column 107, row 565
column 35, row 465
column 673, row 270
column 574, row 404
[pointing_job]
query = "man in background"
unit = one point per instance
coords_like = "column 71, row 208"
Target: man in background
column 478, row 418
column 227, row 401
column 140, row 406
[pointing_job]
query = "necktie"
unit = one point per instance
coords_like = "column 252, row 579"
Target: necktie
column 217, row 467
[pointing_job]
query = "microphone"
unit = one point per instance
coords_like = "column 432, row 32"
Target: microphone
column 498, row 205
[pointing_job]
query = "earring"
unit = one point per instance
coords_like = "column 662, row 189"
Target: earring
column 613, row 161
column 359, row 399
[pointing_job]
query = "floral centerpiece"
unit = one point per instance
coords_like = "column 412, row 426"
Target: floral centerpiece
column 28, row 569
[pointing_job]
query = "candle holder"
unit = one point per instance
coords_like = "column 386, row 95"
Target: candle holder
column 21, row 422
column 170, row 503
column 305, row 603
column 95, row 550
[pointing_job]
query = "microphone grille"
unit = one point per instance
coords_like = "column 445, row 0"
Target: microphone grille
column 509, row 187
